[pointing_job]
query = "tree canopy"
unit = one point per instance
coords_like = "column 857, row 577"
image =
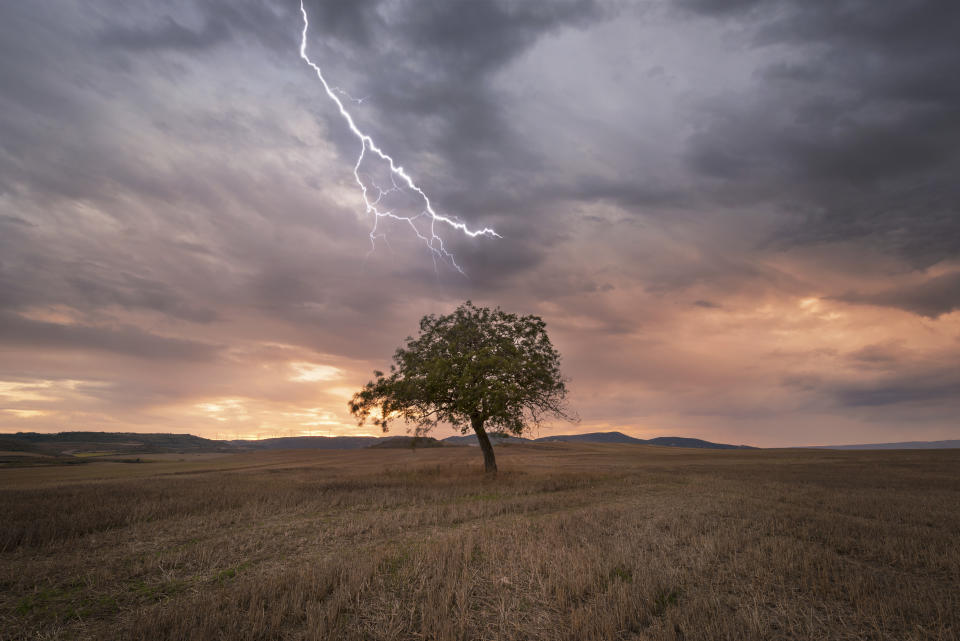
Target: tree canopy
column 476, row 368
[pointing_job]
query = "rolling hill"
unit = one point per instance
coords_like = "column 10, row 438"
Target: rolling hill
column 593, row 437
column 905, row 445
column 307, row 443
column 400, row 442
column 679, row 441
column 599, row 437
column 495, row 437
column 121, row 443
column 67, row 443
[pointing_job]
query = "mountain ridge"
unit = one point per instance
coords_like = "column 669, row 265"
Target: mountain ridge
column 119, row 443
column 901, row 445
column 67, row 443
column 602, row 437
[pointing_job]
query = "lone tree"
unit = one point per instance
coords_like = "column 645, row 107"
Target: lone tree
column 477, row 369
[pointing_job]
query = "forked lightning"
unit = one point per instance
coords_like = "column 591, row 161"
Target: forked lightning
column 434, row 242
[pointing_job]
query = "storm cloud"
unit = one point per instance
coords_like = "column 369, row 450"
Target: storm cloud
column 740, row 219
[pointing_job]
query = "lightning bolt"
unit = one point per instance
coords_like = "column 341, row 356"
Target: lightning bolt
column 343, row 93
column 399, row 178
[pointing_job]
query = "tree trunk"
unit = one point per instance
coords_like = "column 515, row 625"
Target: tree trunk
column 489, row 461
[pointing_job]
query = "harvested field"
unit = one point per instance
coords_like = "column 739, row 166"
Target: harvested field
column 569, row 542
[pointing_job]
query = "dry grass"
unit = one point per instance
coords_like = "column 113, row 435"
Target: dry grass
column 570, row 542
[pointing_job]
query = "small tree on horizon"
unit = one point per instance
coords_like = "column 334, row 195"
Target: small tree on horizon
column 476, row 368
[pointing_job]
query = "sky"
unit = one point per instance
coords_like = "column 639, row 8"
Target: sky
column 740, row 219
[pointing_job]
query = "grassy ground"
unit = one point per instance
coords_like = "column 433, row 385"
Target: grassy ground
column 570, row 542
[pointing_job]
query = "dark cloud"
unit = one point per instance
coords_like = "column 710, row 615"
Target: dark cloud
column 472, row 38
column 685, row 192
column 929, row 387
column 855, row 130
column 14, row 220
column 636, row 194
column 127, row 341
column 354, row 22
column 88, row 287
column 931, row 297
column 175, row 27
column 802, row 382
column 891, row 382
column 427, row 82
column 880, row 355
column 132, row 292
column 719, row 7
column 169, row 34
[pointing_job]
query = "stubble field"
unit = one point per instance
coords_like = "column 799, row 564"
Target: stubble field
column 569, row 542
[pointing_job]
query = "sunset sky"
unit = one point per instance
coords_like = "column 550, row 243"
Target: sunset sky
column 740, row 219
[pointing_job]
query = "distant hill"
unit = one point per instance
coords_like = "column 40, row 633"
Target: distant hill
column 122, row 443
column 399, row 442
column 678, row 441
column 905, row 445
column 496, row 438
column 8, row 443
column 620, row 437
column 119, row 442
column 592, row 437
column 308, row 443
column 598, row 437
column 14, row 451
column 64, row 444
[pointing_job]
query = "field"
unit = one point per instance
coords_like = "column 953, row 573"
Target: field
column 569, row 542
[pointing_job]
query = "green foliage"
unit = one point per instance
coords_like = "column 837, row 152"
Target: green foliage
column 474, row 367
column 665, row 598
